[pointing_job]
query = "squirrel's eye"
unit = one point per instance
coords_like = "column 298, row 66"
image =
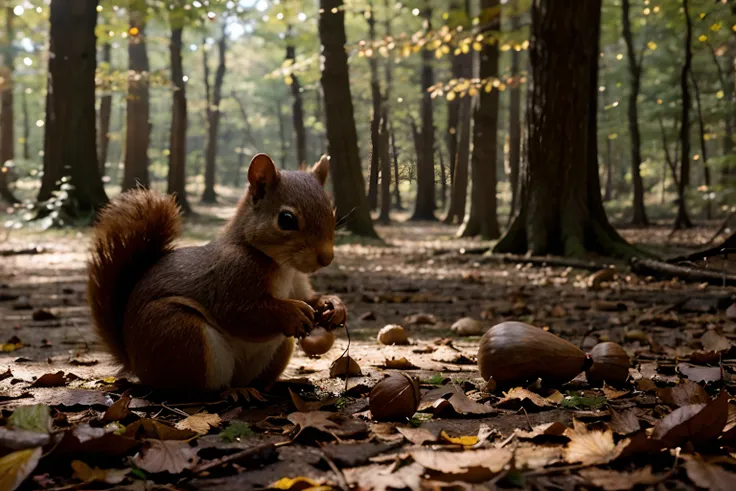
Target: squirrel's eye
column 288, row 221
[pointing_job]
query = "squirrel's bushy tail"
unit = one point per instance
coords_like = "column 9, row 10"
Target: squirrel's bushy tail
column 132, row 233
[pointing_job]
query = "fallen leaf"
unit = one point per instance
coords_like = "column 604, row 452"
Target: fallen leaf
column 120, row 409
column 32, row 418
column 50, row 380
column 420, row 319
column 43, row 315
column 166, row 456
column 613, row 480
column 11, row 345
column 646, row 385
column 514, row 399
column 685, row 393
column 613, row 394
column 236, row 430
column 596, row 279
column 318, row 420
column 591, row 447
column 554, row 429
column 6, row 374
column 15, row 439
column 446, row 354
column 468, row 465
column 355, row 454
column 709, row 476
column 532, row 457
column 385, row 478
column 87, row 474
column 417, row 436
column 466, row 441
column 461, row 404
column 713, row 341
column 696, row 423
column 345, row 366
column 17, row 466
column 85, row 439
column 639, row 443
column 625, row 422
column 399, row 364
column 158, row 430
column 200, row 422
column 700, row 374
column 294, row 484
column 485, row 433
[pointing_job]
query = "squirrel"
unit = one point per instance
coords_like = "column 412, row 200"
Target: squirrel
column 224, row 314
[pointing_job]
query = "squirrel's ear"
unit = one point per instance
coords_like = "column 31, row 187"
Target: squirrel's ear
column 262, row 175
column 321, row 169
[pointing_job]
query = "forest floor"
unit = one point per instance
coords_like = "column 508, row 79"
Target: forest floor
column 665, row 428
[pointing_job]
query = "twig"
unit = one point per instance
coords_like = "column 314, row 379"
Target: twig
column 528, row 421
column 342, row 482
column 175, row 410
column 248, row 452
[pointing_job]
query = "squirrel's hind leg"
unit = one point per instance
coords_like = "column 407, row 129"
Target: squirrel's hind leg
column 174, row 347
column 276, row 367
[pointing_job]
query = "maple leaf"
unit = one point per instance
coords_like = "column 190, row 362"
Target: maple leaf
column 318, row 420
column 85, row 473
column 166, row 456
column 517, row 396
column 17, row 466
column 591, row 447
column 200, row 422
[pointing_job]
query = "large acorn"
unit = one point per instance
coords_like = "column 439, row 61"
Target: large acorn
column 610, row 365
column 318, row 342
column 513, row 353
column 394, row 398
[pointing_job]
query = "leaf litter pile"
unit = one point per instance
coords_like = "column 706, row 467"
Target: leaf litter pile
column 589, row 380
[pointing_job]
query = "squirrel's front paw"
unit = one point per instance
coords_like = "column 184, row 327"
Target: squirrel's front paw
column 332, row 313
column 300, row 319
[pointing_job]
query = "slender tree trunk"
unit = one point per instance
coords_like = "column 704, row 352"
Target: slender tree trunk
column 703, row 149
column 639, row 211
column 105, row 112
column 608, row 190
column 282, row 133
column 515, row 122
column 443, row 178
column 376, row 114
column 297, row 110
column 453, row 109
column 342, row 137
column 384, row 216
column 26, row 125
column 425, row 202
column 70, row 133
column 319, row 116
column 560, row 207
column 177, row 179
column 138, row 124
column 463, row 66
column 214, row 97
column 482, row 219
column 7, row 120
column 397, row 181
column 683, row 219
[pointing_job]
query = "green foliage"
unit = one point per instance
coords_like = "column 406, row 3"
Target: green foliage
column 236, row 430
column 32, row 418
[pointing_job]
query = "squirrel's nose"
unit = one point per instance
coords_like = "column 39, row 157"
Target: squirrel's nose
column 325, row 256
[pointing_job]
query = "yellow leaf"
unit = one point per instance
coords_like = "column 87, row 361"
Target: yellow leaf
column 652, row 45
column 472, row 91
column 17, row 466
column 133, row 31
column 505, row 47
column 85, row 473
column 716, row 27
column 450, row 96
column 466, row 441
column 200, row 422
column 720, row 94
column 477, row 46
column 287, row 483
column 288, row 80
column 703, row 38
column 465, row 49
column 438, row 54
column 592, row 447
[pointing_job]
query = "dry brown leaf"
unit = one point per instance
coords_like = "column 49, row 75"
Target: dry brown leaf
column 709, row 476
column 613, row 394
column 345, row 366
column 417, row 436
column 446, row 354
column 200, row 422
column 399, row 364
column 532, row 457
column 515, row 397
column 625, row 422
column 158, row 430
column 468, row 465
column 99, row 441
column 685, row 393
column 696, row 423
column 700, row 374
column 247, row 393
column 17, row 466
column 596, row 279
column 591, row 447
column 167, row 456
column 462, row 405
column 613, row 480
column 318, row 420
column 87, row 474
column 120, row 409
column 713, row 341
column 50, row 380
column 554, row 429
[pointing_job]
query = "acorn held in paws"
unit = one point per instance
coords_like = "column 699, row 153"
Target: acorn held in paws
column 318, row 342
column 394, row 398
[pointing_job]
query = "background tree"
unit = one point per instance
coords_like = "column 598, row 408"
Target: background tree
column 178, row 140
column 376, row 99
column 70, row 138
column 683, row 219
column 214, row 98
column 103, row 134
column 514, row 119
column 7, row 131
column 297, row 108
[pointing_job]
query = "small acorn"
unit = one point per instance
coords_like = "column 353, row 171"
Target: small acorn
column 394, row 398
column 393, row 334
column 610, row 364
column 318, row 342
column 345, row 366
column 467, row 326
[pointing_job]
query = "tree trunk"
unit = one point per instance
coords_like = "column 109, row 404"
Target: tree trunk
column 177, row 185
column 608, row 190
column 460, row 156
column 138, row 123
column 639, row 211
column 482, row 219
column 515, row 122
column 7, row 120
column 443, row 179
column 214, row 97
column 26, row 125
column 560, row 208
column 376, row 114
column 70, row 133
column 703, row 149
column 342, row 137
column 297, row 111
column 105, row 112
column 384, row 216
column 683, row 219
column 425, row 202
column 282, row 133
column 395, row 157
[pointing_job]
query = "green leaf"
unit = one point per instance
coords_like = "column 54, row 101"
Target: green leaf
column 236, row 429
column 577, row 400
column 32, row 418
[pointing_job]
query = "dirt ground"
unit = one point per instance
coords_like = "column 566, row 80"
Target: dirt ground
column 672, row 331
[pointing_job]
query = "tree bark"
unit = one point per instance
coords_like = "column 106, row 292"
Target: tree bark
column 214, row 97
column 138, row 122
column 515, row 122
column 639, row 210
column 177, row 178
column 425, row 203
column 683, row 219
column 482, row 219
column 703, row 149
column 397, row 181
column 560, row 209
column 376, row 114
column 282, row 133
column 70, row 133
column 460, row 156
column 105, row 112
column 297, row 109
column 7, row 130
column 26, row 125
column 342, row 137
column 443, row 178
column 384, row 216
